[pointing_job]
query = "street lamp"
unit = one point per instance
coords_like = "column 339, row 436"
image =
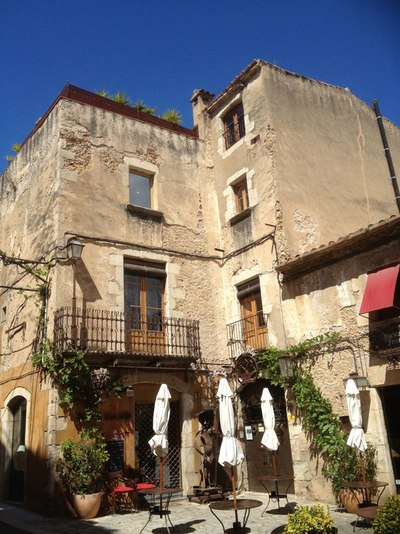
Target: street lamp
column 74, row 252
column 361, row 381
column 74, row 249
column 286, row 365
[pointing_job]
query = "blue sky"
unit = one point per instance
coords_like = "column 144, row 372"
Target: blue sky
column 160, row 51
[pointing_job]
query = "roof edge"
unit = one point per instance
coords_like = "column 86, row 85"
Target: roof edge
column 355, row 243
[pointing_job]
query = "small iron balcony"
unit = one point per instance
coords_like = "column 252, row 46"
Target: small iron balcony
column 250, row 332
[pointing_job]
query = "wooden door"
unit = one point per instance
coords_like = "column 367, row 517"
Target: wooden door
column 254, row 327
column 145, row 330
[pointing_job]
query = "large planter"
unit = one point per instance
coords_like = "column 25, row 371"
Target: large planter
column 349, row 500
column 86, row 506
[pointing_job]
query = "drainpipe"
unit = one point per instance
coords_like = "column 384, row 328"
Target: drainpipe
column 388, row 155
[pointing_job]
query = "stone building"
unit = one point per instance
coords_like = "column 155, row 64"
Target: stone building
column 257, row 227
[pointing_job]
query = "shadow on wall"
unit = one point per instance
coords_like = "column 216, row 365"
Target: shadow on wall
column 85, row 281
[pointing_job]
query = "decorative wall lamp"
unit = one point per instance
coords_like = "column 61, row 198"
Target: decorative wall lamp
column 361, row 381
column 286, row 365
column 74, row 252
column 74, row 249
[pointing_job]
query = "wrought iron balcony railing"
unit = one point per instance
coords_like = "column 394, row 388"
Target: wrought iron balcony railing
column 248, row 332
column 110, row 332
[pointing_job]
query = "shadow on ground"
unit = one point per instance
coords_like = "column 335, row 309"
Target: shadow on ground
column 181, row 528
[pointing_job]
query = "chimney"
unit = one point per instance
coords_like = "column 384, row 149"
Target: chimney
column 200, row 101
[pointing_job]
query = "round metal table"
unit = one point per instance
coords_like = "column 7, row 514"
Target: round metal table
column 241, row 504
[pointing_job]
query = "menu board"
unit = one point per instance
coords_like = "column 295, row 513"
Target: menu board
column 115, row 448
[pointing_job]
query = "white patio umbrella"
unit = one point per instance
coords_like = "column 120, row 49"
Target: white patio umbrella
column 356, row 437
column 269, row 439
column 231, row 452
column 159, row 442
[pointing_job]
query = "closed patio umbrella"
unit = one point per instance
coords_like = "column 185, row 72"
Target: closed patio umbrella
column 269, row 439
column 231, row 452
column 159, row 442
column 356, row 437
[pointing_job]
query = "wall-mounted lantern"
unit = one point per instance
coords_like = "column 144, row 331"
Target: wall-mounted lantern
column 361, row 381
column 286, row 365
column 74, row 249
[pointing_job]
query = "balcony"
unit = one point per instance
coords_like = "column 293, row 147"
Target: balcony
column 130, row 339
column 250, row 332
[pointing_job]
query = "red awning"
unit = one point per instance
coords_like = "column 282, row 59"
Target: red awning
column 380, row 291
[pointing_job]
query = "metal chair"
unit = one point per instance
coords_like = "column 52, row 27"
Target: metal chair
column 119, row 486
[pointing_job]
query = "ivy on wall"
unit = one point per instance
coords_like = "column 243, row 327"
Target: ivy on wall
column 323, row 426
column 79, row 391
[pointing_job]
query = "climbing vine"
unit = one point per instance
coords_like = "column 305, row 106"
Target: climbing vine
column 80, row 391
column 341, row 462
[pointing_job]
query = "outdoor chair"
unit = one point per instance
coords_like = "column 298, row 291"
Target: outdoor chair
column 139, row 481
column 119, row 486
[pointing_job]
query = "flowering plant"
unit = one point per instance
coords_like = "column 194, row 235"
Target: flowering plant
column 387, row 520
column 310, row 520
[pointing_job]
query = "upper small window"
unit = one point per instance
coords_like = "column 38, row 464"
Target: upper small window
column 234, row 126
column 139, row 190
column 241, row 196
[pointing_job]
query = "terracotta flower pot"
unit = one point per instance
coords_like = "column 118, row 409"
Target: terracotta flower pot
column 350, row 501
column 86, row 506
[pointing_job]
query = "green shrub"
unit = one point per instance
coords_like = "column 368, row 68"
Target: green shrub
column 82, row 467
column 387, row 519
column 310, row 520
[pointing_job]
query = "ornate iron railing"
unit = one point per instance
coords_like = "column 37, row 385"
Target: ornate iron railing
column 102, row 331
column 250, row 332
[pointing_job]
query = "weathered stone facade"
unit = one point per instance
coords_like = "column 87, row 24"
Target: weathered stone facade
column 312, row 160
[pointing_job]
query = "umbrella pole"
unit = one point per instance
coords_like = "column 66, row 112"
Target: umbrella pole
column 161, row 483
column 234, row 495
column 274, row 463
column 362, row 467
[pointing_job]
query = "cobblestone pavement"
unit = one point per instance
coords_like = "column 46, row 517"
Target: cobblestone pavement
column 187, row 518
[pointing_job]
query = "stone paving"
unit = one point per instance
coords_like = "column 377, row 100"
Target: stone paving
column 187, row 518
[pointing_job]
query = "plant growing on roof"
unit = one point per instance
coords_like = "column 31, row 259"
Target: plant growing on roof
column 16, row 147
column 121, row 98
column 9, row 158
column 142, row 107
column 102, row 92
column 172, row 115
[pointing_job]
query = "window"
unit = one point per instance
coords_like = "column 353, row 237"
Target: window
column 241, row 196
column 140, row 190
column 144, row 296
column 234, row 126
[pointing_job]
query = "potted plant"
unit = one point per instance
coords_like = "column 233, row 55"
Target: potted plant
column 82, row 474
column 387, row 520
column 310, row 520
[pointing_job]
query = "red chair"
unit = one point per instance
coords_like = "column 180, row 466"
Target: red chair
column 138, row 479
column 117, row 487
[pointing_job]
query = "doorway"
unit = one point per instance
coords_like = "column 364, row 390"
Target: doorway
column 18, row 452
column 259, row 459
column 144, row 432
column 391, row 400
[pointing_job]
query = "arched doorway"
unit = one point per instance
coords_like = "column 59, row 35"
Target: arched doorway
column 17, row 406
column 259, row 459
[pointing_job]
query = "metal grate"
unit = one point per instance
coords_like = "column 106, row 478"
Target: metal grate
column 144, row 432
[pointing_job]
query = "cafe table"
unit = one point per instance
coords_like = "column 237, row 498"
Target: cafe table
column 271, row 484
column 362, row 491
column 245, row 505
column 154, row 508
